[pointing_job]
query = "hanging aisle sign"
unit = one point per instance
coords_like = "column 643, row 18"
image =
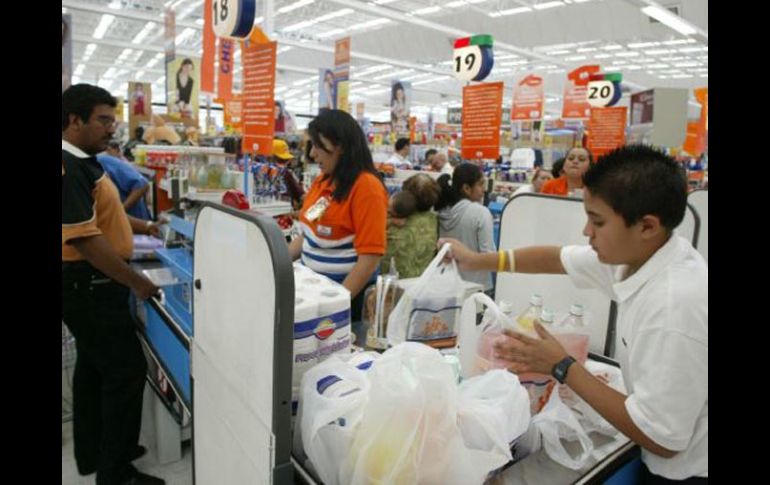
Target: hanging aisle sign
column 473, row 57
column 604, row 89
column 233, row 18
column 528, row 99
column 575, row 104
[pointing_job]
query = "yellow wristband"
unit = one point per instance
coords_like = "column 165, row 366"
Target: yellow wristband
column 500, row 261
column 512, row 260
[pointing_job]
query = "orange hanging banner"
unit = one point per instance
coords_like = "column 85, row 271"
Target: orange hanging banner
column 482, row 110
column 209, row 51
column 528, row 99
column 606, row 129
column 258, row 97
column 225, row 73
column 233, row 114
column 575, row 104
column 695, row 142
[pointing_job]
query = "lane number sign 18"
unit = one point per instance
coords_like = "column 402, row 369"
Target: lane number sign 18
column 233, row 18
column 473, row 58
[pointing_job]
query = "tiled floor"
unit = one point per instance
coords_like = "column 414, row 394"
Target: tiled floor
column 177, row 473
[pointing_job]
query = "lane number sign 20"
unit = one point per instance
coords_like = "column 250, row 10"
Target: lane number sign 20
column 601, row 94
column 233, row 18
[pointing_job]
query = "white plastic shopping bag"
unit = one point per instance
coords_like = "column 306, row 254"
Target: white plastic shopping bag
column 493, row 411
column 557, row 422
column 332, row 397
column 587, row 416
column 429, row 310
column 408, row 432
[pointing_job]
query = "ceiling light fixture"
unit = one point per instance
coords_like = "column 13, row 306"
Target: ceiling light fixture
column 670, row 19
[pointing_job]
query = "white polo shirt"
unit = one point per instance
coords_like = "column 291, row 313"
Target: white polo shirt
column 399, row 161
column 662, row 346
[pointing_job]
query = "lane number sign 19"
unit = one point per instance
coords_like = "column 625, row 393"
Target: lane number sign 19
column 233, row 18
column 473, row 58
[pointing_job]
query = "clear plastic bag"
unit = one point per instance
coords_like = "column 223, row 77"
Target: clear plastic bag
column 409, row 432
column 429, row 310
column 557, row 422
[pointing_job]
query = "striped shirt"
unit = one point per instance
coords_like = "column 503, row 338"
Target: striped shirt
column 333, row 241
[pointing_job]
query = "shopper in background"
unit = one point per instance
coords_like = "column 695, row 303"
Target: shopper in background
column 97, row 242
column 344, row 213
column 113, row 150
column 329, row 94
column 132, row 186
column 412, row 245
column 461, row 215
column 576, row 163
column 128, row 150
column 441, row 164
column 429, row 154
column 539, row 178
column 557, row 169
column 399, row 158
column 635, row 197
column 284, row 158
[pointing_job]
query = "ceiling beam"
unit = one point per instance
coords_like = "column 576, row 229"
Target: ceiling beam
column 124, row 13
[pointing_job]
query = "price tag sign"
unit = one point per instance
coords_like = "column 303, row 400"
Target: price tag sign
column 604, row 90
column 473, row 58
column 233, row 18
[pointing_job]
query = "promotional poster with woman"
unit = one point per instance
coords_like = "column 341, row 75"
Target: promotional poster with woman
column 400, row 99
column 182, row 85
column 327, row 89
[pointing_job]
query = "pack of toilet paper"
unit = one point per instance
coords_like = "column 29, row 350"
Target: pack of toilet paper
column 321, row 322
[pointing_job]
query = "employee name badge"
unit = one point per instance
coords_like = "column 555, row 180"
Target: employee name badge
column 317, row 210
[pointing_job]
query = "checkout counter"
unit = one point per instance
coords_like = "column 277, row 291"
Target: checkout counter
column 221, row 336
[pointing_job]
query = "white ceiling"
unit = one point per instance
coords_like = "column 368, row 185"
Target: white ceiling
column 408, row 40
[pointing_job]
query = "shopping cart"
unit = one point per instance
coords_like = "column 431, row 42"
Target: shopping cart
column 68, row 356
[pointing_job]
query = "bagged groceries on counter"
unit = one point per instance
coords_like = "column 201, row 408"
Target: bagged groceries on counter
column 587, row 416
column 477, row 348
column 557, row 422
column 493, row 411
column 401, row 418
column 429, row 310
column 330, row 410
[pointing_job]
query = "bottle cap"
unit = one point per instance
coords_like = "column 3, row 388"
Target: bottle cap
column 546, row 317
column 536, row 299
column 576, row 310
column 506, row 307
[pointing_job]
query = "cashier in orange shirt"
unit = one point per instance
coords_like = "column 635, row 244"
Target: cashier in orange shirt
column 571, row 182
column 344, row 213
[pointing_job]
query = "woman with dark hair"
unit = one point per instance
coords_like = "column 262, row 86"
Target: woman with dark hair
column 184, row 86
column 344, row 213
column 398, row 110
column 462, row 217
column 571, row 182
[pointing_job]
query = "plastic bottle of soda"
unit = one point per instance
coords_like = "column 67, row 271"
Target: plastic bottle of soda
column 526, row 320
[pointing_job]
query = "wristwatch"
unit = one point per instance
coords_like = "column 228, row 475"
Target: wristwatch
column 559, row 371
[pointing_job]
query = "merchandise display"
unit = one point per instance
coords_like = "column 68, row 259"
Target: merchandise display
column 264, row 363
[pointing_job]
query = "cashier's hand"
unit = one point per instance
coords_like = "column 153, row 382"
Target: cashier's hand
column 528, row 354
column 145, row 289
column 459, row 252
column 154, row 228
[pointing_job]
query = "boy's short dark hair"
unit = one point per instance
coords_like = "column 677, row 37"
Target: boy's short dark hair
column 429, row 152
column 404, row 204
column 80, row 100
column 639, row 180
column 424, row 188
column 401, row 143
